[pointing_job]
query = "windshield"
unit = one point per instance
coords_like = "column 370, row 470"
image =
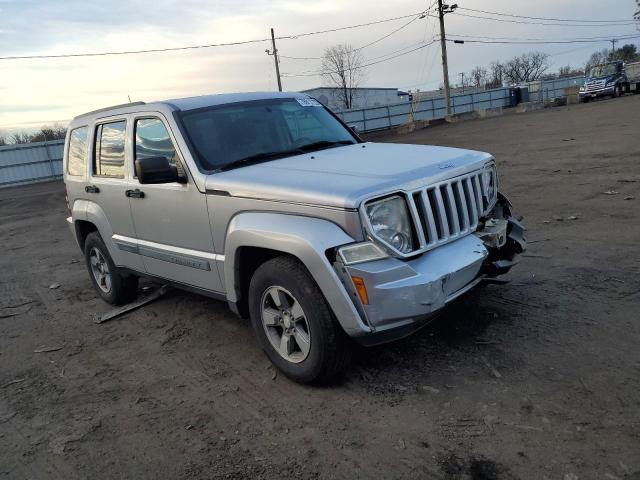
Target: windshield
column 260, row 130
column 602, row 70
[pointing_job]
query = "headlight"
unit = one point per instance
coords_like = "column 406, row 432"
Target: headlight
column 582, row 88
column 391, row 223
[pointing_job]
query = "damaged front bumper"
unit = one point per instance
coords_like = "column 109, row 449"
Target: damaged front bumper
column 404, row 294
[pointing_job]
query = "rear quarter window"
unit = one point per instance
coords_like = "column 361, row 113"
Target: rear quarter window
column 77, row 159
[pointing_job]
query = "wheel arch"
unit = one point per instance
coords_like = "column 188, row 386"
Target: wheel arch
column 83, row 228
column 253, row 238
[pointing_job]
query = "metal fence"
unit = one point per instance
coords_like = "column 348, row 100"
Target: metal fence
column 387, row 116
column 547, row 90
column 30, row 162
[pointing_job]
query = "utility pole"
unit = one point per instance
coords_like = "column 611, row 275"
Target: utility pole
column 613, row 47
column 274, row 52
column 445, row 66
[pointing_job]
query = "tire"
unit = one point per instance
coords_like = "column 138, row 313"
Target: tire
column 111, row 283
column 315, row 348
column 617, row 91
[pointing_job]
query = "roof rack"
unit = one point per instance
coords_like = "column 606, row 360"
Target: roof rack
column 113, row 107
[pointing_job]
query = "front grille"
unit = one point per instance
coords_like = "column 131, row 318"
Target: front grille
column 450, row 209
column 595, row 85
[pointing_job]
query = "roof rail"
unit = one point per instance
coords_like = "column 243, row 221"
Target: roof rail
column 113, row 107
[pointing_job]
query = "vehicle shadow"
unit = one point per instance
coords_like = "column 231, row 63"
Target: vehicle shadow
column 462, row 337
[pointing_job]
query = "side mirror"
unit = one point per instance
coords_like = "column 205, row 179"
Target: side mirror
column 354, row 128
column 155, row 170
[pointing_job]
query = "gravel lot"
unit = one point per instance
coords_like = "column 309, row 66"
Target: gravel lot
column 536, row 379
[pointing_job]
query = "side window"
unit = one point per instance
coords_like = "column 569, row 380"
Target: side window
column 153, row 140
column 77, row 159
column 109, row 149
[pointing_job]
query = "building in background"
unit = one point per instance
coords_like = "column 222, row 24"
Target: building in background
column 363, row 97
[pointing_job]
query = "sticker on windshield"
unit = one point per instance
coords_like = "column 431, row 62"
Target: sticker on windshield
column 309, row 102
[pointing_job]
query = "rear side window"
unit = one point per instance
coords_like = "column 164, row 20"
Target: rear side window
column 77, row 160
column 153, row 140
column 109, row 157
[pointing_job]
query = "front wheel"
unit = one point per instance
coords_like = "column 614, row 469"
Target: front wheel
column 294, row 324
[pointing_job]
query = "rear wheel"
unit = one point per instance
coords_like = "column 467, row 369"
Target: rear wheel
column 113, row 285
column 294, row 324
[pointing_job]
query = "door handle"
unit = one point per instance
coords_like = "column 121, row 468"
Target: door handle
column 91, row 189
column 134, row 193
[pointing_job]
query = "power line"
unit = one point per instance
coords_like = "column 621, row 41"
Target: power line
column 212, row 45
column 545, row 23
column 368, row 44
column 132, row 52
column 389, row 54
column 544, row 42
column 320, row 72
column 331, row 30
column 391, row 33
column 600, row 37
column 543, row 18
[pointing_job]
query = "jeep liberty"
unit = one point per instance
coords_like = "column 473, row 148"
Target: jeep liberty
column 269, row 202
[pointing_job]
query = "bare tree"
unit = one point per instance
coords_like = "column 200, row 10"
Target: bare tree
column 569, row 71
column 478, row 76
column 526, row 67
column 342, row 68
column 597, row 58
column 20, row 137
column 496, row 75
column 46, row 133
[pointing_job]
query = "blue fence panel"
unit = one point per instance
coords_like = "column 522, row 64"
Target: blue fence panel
column 30, row 162
column 376, row 118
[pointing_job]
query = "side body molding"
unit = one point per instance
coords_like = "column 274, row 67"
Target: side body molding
column 307, row 239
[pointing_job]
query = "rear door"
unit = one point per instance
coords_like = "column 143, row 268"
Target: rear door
column 171, row 219
column 109, row 204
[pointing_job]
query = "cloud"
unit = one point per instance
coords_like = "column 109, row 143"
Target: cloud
column 47, row 90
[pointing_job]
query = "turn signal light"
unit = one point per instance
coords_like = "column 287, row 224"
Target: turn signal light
column 361, row 288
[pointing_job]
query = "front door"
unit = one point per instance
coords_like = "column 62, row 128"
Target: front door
column 171, row 219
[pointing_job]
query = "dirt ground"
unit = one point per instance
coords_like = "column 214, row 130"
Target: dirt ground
column 536, row 379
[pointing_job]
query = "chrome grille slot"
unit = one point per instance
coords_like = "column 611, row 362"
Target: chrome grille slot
column 450, row 209
column 595, row 85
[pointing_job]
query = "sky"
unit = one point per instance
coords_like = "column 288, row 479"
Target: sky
column 35, row 92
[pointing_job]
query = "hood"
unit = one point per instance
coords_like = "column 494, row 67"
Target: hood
column 345, row 176
column 606, row 78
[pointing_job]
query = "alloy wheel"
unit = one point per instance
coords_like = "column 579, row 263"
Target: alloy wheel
column 100, row 269
column 285, row 324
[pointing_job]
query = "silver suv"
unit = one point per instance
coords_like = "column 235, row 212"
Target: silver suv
column 270, row 202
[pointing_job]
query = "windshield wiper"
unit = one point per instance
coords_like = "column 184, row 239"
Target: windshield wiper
column 259, row 157
column 265, row 156
column 322, row 144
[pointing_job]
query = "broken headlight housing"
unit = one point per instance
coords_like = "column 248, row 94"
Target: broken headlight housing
column 490, row 181
column 390, row 223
